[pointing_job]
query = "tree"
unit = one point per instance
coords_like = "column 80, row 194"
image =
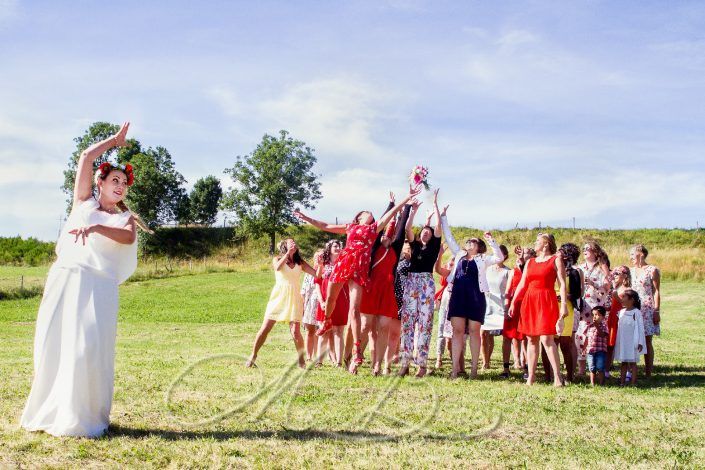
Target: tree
column 205, row 200
column 158, row 190
column 269, row 184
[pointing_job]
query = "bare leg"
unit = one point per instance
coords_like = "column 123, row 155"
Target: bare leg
column 552, row 351
column 392, row 343
column 517, row 353
column 623, row 374
column 474, row 347
column 348, row 344
column 338, row 338
column 369, row 333
column 261, row 337
column 355, row 299
column 546, row 363
column 565, row 345
column 634, row 373
column 483, row 349
column 295, row 329
column 311, row 342
column 506, row 354
column 532, row 357
column 649, row 357
column 457, row 344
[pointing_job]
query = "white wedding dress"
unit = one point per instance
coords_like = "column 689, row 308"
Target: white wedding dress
column 74, row 344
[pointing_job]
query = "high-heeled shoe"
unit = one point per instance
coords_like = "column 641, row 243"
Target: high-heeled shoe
column 325, row 328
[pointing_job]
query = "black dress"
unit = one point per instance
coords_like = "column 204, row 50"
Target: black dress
column 466, row 299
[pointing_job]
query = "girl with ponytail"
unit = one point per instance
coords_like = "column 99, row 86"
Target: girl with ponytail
column 74, row 345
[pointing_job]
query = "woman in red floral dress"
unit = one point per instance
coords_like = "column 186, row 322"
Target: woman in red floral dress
column 353, row 265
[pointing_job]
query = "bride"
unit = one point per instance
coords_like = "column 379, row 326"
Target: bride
column 74, row 344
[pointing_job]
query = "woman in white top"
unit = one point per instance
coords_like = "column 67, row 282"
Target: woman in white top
column 74, row 344
column 497, row 277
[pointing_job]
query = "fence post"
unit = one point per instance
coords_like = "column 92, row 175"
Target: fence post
column 22, row 282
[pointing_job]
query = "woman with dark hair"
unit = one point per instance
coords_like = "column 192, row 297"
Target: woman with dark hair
column 339, row 318
column 596, row 291
column 541, row 319
column 353, row 265
column 285, row 302
column 379, row 306
column 419, row 292
column 646, row 281
column 74, row 343
column 467, row 284
column 514, row 341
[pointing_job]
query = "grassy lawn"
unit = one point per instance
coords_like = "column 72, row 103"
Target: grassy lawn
column 218, row 414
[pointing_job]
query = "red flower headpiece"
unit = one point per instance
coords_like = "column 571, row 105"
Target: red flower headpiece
column 106, row 167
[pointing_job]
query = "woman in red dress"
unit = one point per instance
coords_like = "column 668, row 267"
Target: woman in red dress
column 540, row 319
column 513, row 338
column 353, row 265
column 334, row 338
column 379, row 306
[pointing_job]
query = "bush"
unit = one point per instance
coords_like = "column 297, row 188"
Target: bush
column 32, row 252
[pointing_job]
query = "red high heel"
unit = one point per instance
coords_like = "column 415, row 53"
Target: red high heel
column 325, row 328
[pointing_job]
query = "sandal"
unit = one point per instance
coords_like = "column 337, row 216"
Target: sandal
column 359, row 358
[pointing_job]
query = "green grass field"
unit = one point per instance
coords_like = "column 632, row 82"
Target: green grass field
column 219, row 415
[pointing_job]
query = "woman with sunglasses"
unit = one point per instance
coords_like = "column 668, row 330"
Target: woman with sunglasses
column 467, row 284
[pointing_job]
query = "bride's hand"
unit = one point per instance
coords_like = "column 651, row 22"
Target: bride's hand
column 121, row 136
column 82, row 232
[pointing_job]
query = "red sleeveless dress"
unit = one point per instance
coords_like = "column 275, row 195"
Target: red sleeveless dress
column 539, row 309
column 511, row 325
column 339, row 317
column 378, row 298
column 354, row 261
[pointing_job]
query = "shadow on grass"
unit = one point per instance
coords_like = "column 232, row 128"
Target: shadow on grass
column 115, row 431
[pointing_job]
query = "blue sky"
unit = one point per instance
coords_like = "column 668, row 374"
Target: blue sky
column 525, row 112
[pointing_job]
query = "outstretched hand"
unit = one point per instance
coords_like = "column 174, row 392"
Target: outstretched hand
column 435, row 196
column 488, row 235
column 518, row 251
column 121, row 136
column 392, row 198
column 445, row 209
column 82, row 232
column 300, row 215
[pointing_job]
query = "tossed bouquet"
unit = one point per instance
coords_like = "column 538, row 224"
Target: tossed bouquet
column 419, row 175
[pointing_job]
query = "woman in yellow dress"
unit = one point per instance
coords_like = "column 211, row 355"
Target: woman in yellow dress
column 285, row 302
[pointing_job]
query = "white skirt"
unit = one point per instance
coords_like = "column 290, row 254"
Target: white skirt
column 74, row 354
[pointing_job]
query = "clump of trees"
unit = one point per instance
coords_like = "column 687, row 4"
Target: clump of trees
column 269, row 183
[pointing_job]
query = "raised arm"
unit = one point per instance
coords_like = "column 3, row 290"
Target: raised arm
column 326, row 227
column 438, row 267
column 496, row 257
column 560, row 267
column 400, row 235
column 83, row 186
column 307, row 268
column 409, row 226
column 437, row 230
column 450, row 239
column 384, row 220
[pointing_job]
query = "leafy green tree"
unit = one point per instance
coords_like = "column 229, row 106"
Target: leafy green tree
column 270, row 183
column 205, row 200
column 158, row 190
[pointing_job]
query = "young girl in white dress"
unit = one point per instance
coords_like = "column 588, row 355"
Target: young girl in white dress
column 74, row 344
column 631, row 341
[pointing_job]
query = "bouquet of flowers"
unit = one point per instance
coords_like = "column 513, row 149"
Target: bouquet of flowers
column 419, row 175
